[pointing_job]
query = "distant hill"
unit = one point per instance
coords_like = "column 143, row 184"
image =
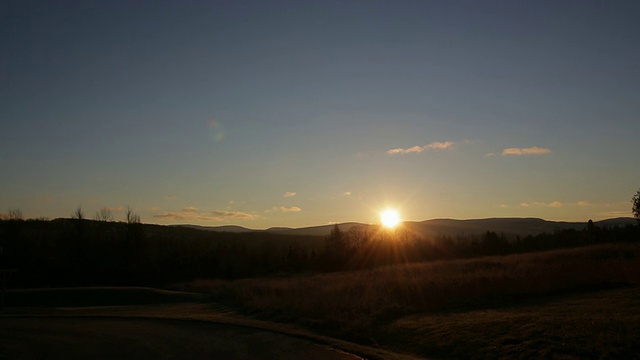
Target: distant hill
column 225, row 228
column 508, row 226
column 439, row 227
column 320, row 230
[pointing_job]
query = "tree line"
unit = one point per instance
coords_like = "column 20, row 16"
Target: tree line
column 82, row 252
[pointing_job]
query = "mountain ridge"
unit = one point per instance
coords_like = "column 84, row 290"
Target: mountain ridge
column 512, row 226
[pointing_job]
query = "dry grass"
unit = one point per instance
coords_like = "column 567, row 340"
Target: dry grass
column 603, row 324
column 367, row 306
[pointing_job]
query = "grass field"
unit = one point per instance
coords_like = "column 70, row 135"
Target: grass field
column 572, row 303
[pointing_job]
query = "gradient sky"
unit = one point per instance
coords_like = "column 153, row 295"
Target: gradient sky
column 301, row 113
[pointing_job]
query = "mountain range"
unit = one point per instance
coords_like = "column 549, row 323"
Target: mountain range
column 440, row 227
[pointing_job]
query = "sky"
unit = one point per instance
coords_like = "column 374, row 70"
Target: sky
column 303, row 113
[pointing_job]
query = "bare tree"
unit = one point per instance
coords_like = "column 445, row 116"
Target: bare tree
column 78, row 214
column 104, row 215
column 132, row 218
column 15, row 214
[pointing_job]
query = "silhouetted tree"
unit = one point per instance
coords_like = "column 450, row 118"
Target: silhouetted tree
column 636, row 206
column 78, row 214
column 131, row 217
column 335, row 248
column 15, row 214
column 104, row 215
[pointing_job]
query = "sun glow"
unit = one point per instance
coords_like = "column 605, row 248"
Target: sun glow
column 390, row 218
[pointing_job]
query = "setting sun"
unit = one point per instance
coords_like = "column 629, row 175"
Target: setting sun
column 390, row 218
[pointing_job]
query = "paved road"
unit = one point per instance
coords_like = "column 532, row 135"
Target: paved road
column 119, row 338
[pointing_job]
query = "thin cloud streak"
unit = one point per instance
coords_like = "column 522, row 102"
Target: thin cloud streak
column 286, row 209
column 554, row 204
column 289, row 194
column 526, row 151
column 438, row 145
column 185, row 216
column 216, row 215
column 232, row 214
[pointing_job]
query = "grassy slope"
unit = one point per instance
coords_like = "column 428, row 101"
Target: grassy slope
column 525, row 305
column 603, row 324
column 575, row 303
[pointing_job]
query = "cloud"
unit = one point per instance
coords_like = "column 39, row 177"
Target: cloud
column 615, row 213
column 543, row 204
column 347, row 193
column 189, row 209
column 441, row 145
column 186, row 216
column 232, row 214
column 117, row 208
column 216, row 215
column 526, row 151
column 286, row 209
column 438, row 145
column 584, row 203
column 289, row 194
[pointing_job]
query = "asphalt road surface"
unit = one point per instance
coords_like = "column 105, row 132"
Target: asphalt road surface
column 137, row 338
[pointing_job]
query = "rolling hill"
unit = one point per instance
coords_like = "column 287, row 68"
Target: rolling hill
column 438, row 227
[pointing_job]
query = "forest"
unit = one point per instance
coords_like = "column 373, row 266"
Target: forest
column 83, row 252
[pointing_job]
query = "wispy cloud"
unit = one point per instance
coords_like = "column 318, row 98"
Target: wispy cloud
column 526, row 151
column 347, row 193
column 216, row 215
column 289, row 194
column 584, row 203
column 232, row 214
column 188, row 216
column 286, row 209
column 190, row 209
column 542, row 204
column 117, row 208
column 438, row 145
column 615, row 214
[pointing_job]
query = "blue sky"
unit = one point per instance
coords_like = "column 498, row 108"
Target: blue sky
column 300, row 113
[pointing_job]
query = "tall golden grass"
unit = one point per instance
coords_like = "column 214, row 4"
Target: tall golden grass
column 340, row 300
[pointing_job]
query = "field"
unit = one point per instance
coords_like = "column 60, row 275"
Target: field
column 571, row 303
column 581, row 302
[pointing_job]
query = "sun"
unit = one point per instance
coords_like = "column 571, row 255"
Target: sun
column 390, row 218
